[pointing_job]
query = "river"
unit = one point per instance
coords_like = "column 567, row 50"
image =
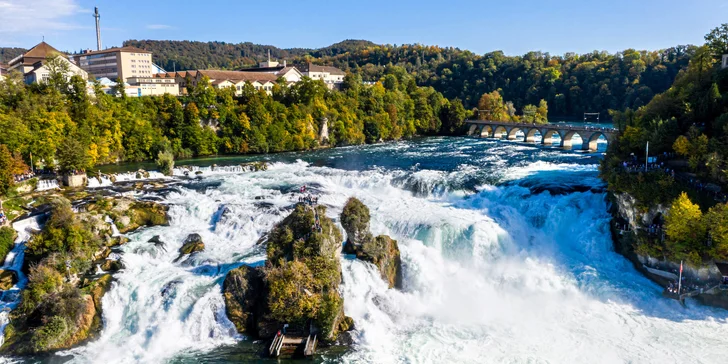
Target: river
column 506, row 250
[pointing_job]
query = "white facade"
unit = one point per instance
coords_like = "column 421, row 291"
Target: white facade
column 152, row 86
column 332, row 76
column 41, row 73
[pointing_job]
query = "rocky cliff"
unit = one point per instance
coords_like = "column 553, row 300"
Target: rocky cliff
column 628, row 228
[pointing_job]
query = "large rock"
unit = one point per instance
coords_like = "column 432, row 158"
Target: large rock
column 192, row 244
column 381, row 251
column 299, row 284
column 129, row 214
column 8, row 278
column 355, row 220
column 243, row 290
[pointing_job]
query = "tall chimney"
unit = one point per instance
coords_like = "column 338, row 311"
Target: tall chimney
column 98, row 29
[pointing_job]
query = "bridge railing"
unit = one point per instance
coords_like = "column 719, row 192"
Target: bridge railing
column 549, row 126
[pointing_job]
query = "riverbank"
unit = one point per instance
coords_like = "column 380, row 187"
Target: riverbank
column 629, row 224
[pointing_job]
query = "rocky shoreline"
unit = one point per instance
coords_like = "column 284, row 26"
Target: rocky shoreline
column 624, row 213
column 69, row 268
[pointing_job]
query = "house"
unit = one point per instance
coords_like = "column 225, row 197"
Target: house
column 3, row 71
column 332, row 76
column 32, row 64
column 724, row 64
column 117, row 63
column 222, row 79
column 291, row 74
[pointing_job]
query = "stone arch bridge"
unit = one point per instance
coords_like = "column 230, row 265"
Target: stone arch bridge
column 499, row 129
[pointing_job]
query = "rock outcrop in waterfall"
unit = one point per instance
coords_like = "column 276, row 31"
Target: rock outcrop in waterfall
column 297, row 286
column 382, row 251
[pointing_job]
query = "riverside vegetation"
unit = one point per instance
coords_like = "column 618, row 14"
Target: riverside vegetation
column 690, row 120
column 61, row 305
column 59, row 121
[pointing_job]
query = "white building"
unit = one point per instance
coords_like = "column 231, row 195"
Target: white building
column 291, row 74
column 332, row 76
column 32, row 64
column 235, row 79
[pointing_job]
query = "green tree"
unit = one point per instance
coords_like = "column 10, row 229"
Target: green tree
column 717, row 40
column 72, row 155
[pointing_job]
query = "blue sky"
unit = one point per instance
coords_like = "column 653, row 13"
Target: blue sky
column 514, row 26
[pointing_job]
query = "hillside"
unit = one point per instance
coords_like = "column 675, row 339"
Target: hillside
column 571, row 84
column 183, row 55
column 8, row 53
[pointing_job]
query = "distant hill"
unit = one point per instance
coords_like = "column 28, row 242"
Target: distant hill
column 184, row 55
column 7, row 53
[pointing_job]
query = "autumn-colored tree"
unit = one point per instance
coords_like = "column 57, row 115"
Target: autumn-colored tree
column 685, row 229
column 492, row 107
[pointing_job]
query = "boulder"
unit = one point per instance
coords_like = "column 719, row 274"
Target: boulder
column 192, row 244
column 243, row 292
column 156, row 241
column 355, row 220
column 8, row 278
column 381, row 251
column 129, row 214
column 111, row 266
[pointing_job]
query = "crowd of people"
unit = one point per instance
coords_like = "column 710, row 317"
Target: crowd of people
column 24, row 177
column 634, row 166
column 310, row 200
column 3, row 218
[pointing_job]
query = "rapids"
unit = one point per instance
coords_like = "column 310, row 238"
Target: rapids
column 506, row 252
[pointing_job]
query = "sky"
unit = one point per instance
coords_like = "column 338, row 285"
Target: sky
column 513, row 26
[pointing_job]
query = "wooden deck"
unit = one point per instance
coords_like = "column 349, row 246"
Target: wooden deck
column 292, row 345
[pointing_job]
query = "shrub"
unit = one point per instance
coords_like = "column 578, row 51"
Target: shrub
column 7, row 241
column 165, row 163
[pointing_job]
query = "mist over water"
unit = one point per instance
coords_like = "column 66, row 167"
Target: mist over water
column 506, row 253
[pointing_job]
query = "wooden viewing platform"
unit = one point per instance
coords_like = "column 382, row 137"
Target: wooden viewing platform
column 292, row 345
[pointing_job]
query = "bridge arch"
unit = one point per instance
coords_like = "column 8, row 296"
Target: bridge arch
column 593, row 143
column 499, row 131
column 472, row 129
column 486, row 131
column 567, row 141
column 547, row 136
column 531, row 135
column 512, row 133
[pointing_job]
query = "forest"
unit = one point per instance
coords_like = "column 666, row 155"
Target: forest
column 689, row 121
column 59, row 124
column 571, row 84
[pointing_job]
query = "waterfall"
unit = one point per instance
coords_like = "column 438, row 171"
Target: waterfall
column 10, row 299
column 506, row 258
column 47, row 184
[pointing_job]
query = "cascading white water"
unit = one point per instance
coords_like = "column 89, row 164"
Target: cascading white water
column 14, row 262
column 97, row 182
column 502, row 275
column 47, row 184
